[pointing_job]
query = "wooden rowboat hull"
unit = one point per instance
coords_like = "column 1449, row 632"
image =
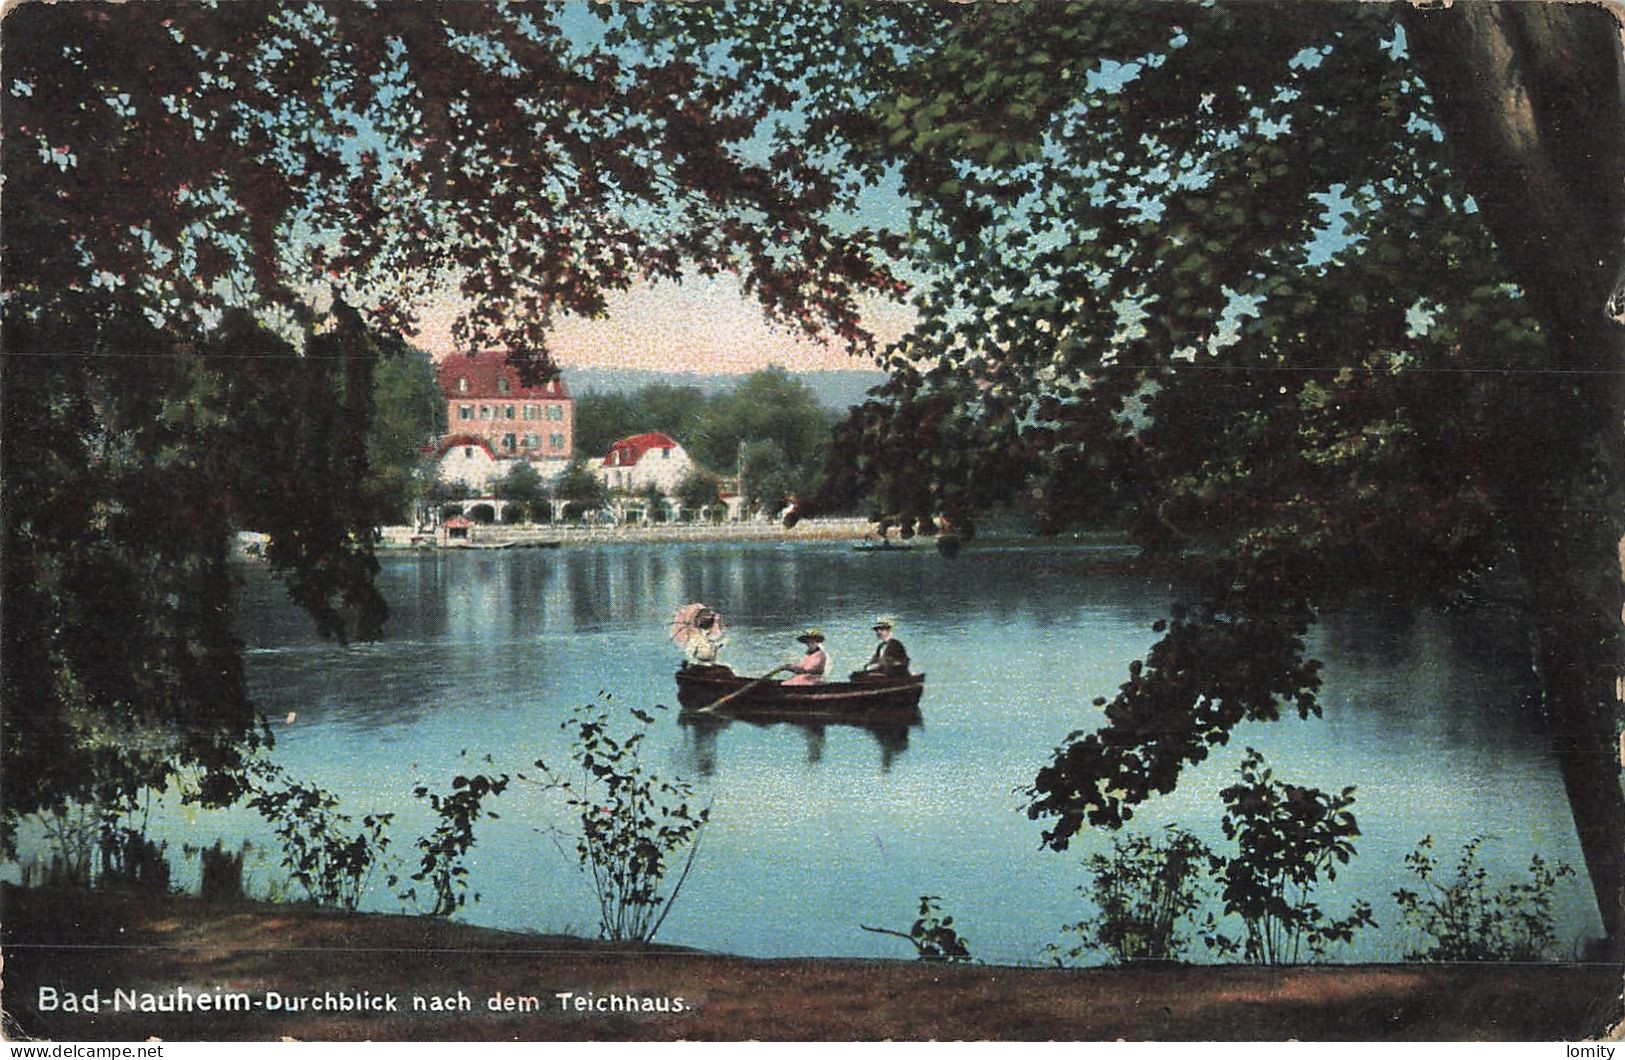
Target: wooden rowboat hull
column 881, row 700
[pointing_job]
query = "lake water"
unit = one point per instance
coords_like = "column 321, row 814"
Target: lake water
column 816, row 830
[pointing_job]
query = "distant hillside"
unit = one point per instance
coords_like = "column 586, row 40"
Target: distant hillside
column 836, row 390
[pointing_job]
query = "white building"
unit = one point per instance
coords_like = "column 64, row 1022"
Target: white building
column 470, row 460
column 643, row 460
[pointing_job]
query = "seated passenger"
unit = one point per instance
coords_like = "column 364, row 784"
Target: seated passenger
column 704, row 646
column 809, row 669
column 890, row 658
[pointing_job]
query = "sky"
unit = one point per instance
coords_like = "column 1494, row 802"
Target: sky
column 705, row 325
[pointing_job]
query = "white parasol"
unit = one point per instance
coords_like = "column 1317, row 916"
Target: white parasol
column 684, row 623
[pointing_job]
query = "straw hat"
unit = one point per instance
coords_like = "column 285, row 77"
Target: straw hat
column 814, row 634
column 885, row 622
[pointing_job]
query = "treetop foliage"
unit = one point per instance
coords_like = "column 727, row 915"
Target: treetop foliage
column 201, row 157
column 776, row 417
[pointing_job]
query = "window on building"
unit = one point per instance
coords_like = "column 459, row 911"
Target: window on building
column 502, row 385
column 555, row 412
column 468, row 452
column 509, row 443
column 529, row 412
column 462, row 385
column 533, row 441
column 485, row 412
column 556, row 441
column 665, row 454
column 465, row 412
column 507, row 413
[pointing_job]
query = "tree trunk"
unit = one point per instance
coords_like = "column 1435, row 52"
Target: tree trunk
column 1574, row 642
column 1531, row 97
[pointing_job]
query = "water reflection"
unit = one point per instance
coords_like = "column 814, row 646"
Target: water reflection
column 700, row 732
column 458, row 593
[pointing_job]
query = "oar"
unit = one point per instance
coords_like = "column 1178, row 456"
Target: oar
column 736, row 693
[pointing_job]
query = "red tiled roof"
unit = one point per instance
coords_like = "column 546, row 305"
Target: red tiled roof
column 630, row 450
column 482, row 371
column 455, row 440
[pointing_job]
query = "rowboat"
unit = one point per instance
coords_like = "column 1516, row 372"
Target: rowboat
column 880, row 699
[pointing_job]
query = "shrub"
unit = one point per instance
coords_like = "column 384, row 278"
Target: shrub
column 1145, row 892
column 332, row 863
column 130, row 859
column 221, row 871
column 1467, row 921
column 444, row 849
column 1288, row 838
column 635, row 827
column 934, row 936
column 102, row 842
column 71, row 833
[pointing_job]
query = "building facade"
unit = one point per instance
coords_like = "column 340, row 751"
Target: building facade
column 486, row 402
column 468, row 458
column 643, row 460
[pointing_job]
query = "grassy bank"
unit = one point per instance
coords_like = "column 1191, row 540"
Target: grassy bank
column 102, row 943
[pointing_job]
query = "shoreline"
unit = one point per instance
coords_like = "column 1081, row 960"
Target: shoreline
column 854, row 528
column 250, row 545
column 174, row 954
column 496, row 535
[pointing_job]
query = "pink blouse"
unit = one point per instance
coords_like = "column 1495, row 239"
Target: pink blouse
column 810, row 670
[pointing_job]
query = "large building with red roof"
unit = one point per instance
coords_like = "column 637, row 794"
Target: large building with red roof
column 493, row 419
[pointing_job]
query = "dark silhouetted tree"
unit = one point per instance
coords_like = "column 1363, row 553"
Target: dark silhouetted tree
column 523, row 486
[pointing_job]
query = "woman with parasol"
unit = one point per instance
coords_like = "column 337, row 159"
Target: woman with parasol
column 698, row 630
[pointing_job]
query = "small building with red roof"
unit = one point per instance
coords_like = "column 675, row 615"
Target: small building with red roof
column 457, row 528
column 635, row 463
column 493, row 419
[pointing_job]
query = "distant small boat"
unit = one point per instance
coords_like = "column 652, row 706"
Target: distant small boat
column 483, row 545
column 881, row 699
column 883, row 546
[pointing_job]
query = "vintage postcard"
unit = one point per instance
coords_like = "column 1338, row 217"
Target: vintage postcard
column 973, row 521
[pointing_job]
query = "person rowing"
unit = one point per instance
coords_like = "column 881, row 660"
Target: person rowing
column 809, row 669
